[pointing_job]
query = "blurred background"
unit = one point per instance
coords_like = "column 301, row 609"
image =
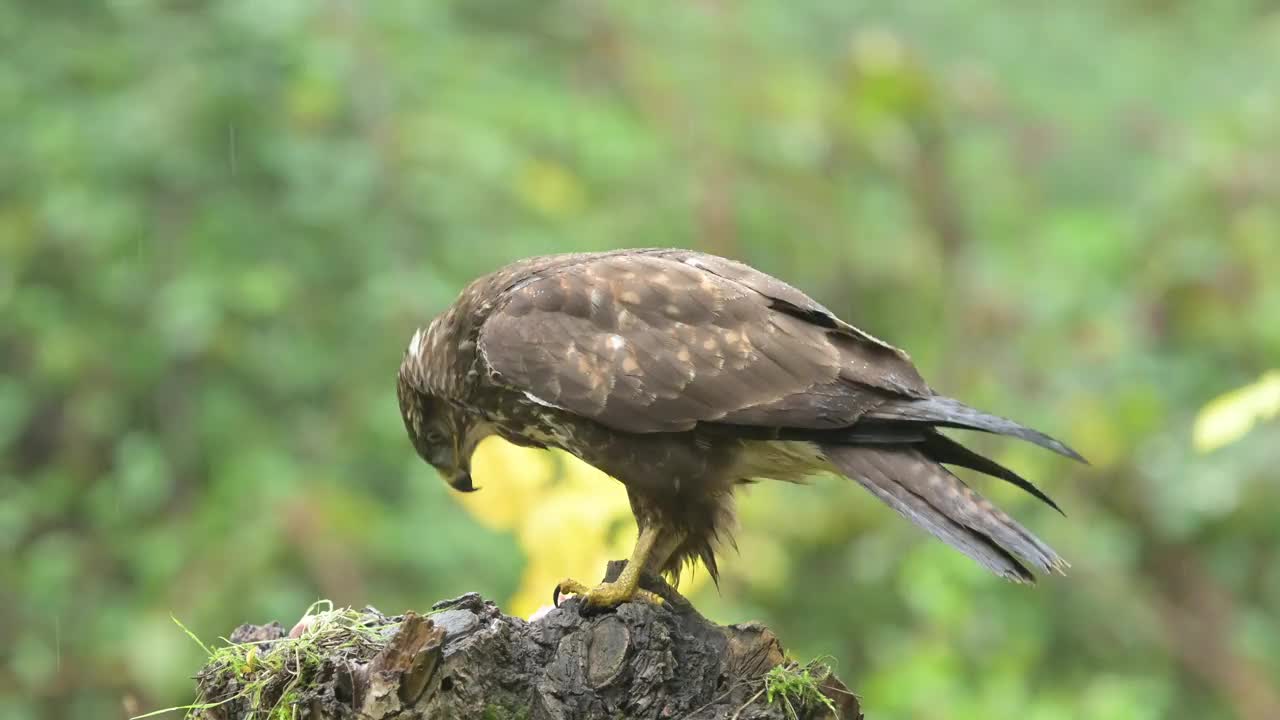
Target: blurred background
column 221, row 222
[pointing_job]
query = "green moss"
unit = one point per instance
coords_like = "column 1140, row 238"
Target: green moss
column 271, row 677
column 498, row 712
column 798, row 686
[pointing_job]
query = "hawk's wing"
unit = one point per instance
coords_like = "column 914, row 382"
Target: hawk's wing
column 658, row 341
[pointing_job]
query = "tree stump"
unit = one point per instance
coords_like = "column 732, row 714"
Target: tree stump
column 466, row 659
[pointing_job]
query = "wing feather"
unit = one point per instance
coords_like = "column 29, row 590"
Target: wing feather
column 661, row 341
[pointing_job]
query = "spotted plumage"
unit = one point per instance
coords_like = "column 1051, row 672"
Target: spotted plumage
column 683, row 375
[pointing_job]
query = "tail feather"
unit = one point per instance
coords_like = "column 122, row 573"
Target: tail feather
column 925, row 493
column 943, row 449
column 944, row 411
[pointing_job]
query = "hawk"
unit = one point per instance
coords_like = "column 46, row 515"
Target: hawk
column 684, row 375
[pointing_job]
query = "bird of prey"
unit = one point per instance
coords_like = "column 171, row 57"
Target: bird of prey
column 684, row 375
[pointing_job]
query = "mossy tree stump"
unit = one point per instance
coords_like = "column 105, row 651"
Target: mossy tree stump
column 468, row 660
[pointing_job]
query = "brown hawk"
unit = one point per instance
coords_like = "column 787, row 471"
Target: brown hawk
column 684, row 375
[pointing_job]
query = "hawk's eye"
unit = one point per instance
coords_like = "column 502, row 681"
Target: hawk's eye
column 435, row 437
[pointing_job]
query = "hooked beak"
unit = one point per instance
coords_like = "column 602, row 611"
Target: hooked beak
column 462, row 482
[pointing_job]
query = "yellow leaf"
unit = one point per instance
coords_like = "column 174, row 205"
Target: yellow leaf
column 1229, row 416
column 511, row 478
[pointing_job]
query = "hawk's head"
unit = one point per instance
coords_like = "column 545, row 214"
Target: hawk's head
column 439, row 431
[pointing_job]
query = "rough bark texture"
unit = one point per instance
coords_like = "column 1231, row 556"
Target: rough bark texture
column 468, row 660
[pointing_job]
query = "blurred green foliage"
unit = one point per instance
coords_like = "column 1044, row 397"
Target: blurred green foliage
column 220, row 222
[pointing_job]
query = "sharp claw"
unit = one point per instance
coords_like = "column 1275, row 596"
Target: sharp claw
column 602, row 597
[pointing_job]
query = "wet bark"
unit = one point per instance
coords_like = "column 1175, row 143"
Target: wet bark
column 468, row 660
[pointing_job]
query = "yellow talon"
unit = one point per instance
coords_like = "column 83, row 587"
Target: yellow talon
column 605, row 595
column 627, row 587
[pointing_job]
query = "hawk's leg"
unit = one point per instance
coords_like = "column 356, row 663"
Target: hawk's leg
column 652, row 548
